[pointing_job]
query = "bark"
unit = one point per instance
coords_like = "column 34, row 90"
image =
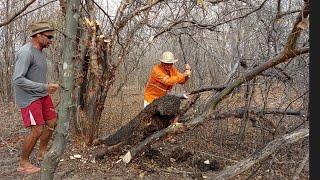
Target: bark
column 95, row 77
column 166, row 107
column 172, row 129
column 80, row 82
column 8, row 55
column 81, row 124
column 262, row 154
column 153, row 118
column 53, row 156
column 93, row 107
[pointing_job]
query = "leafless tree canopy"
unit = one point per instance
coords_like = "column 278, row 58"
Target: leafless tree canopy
column 249, row 59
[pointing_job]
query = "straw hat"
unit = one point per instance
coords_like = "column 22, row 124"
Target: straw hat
column 39, row 27
column 167, row 57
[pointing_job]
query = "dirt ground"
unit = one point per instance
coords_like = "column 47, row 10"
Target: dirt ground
column 196, row 154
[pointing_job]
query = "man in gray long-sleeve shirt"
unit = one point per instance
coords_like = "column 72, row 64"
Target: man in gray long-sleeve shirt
column 32, row 93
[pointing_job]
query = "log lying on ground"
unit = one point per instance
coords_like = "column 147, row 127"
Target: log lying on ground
column 167, row 107
column 101, row 152
column 172, row 129
column 154, row 117
column 262, row 154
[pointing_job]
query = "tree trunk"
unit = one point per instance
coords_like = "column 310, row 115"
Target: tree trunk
column 53, row 156
column 93, row 80
column 8, row 54
column 81, row 71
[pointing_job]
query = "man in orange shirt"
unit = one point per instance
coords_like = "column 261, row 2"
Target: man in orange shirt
column 163, row 77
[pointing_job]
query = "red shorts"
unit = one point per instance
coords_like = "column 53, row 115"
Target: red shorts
column 38, row 112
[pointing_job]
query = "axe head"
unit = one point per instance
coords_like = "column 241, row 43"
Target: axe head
column 182, row 95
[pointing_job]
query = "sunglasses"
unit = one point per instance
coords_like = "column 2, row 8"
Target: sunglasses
column 48, row 36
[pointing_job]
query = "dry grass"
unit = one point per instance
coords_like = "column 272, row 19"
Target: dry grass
column 214, row 140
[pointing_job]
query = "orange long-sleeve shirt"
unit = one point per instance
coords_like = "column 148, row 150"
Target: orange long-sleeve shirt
column 162, row 81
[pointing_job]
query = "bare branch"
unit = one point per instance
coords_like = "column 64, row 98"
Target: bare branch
column 43, row 5
column 104, row 12
column 17, row 14
column 239, row 113
column 206, row 26
column 262, row 154
column 200, row 90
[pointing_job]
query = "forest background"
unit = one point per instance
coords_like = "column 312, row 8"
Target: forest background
column 250, row 60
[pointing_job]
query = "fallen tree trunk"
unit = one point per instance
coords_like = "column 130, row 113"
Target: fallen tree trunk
column 175, row 128
column 166, row 106
column 262, row 154
column 153, row 118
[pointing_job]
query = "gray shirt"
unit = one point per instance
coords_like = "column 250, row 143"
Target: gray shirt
column 29, row 77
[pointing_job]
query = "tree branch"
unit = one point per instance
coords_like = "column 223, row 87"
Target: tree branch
column 262, row 154
column 181, row 127
column 39, row 7
column 210, row 88
column 17, row 14
column 209, row 27
column 238, row 113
